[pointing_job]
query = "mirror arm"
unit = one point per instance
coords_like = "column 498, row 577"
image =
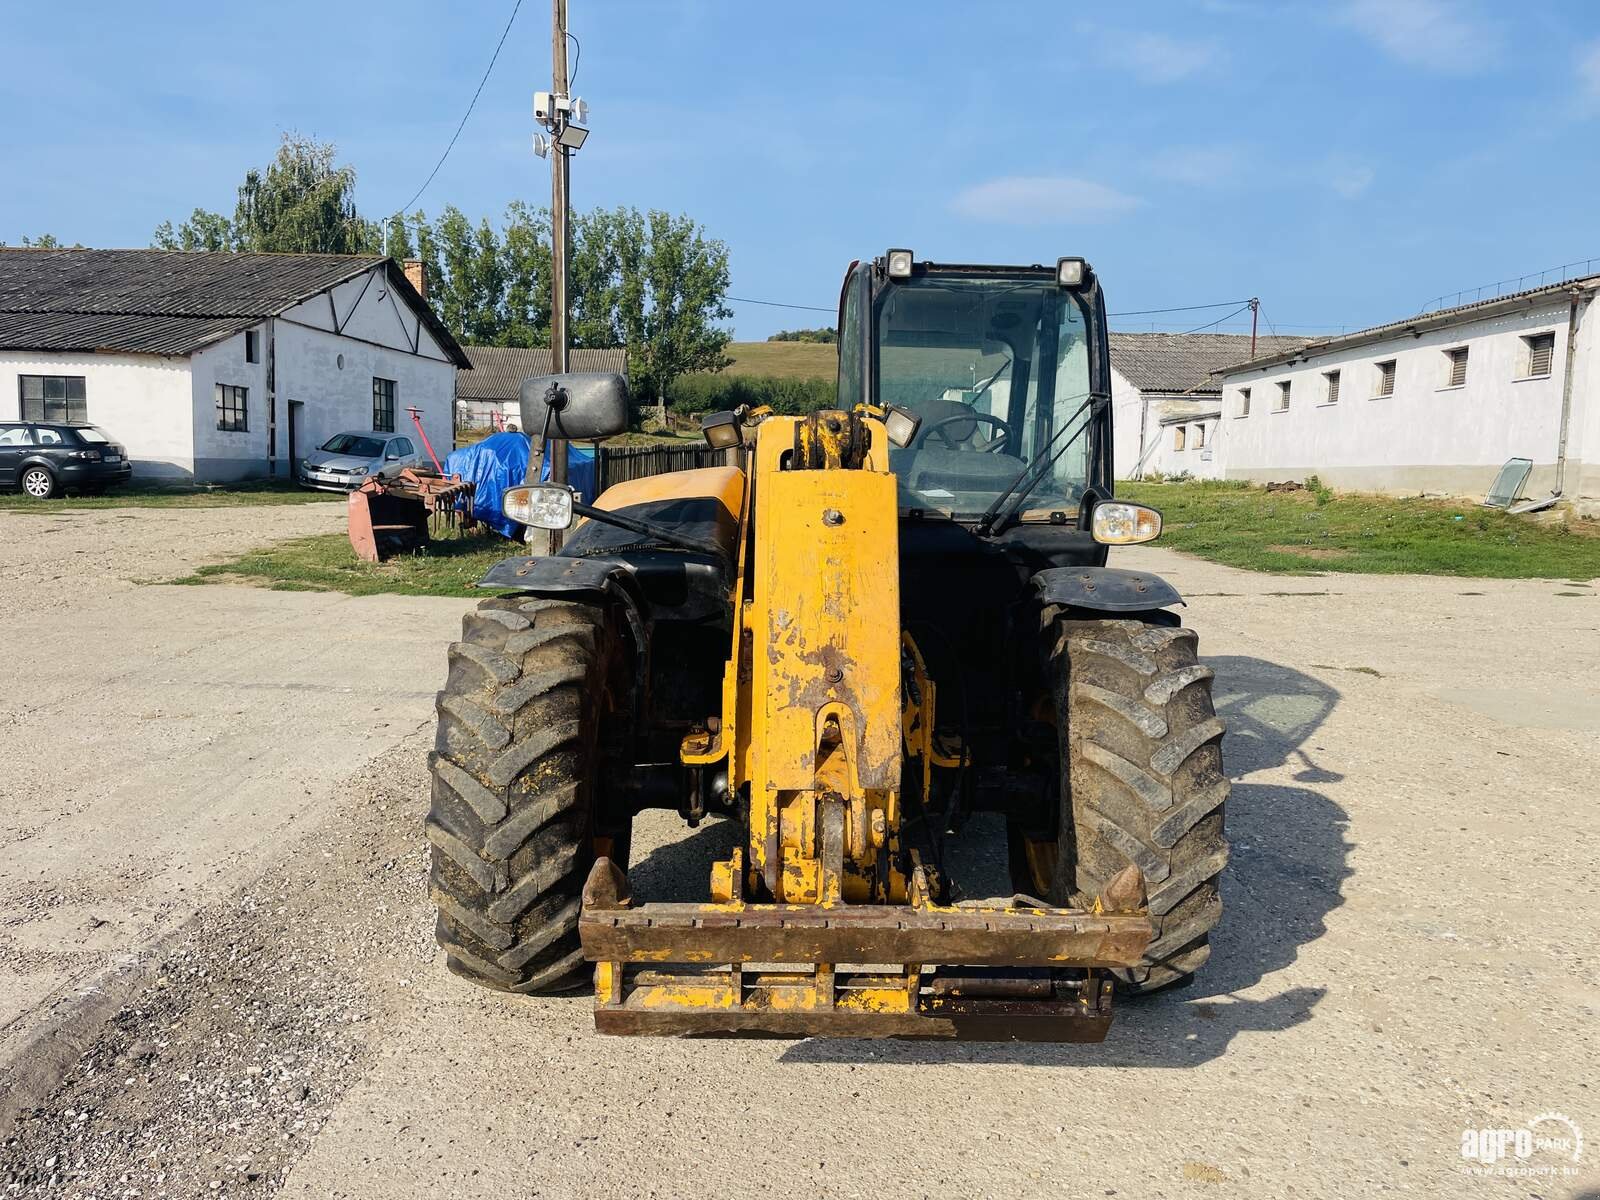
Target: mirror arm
column 662, row 533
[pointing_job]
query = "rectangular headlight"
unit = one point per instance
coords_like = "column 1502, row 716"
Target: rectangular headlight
column 901, row 424
column 1118, row 523
column 722, row 430
column 1070, row 271
column 898, row 263
column 543, row 505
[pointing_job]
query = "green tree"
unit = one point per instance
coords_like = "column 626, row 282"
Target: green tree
column 525, row 250
column 656, row 284
column 302, row 203
column 828, row 336
column 202, row 231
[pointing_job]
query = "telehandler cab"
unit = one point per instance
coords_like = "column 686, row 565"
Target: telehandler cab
column 878, row 620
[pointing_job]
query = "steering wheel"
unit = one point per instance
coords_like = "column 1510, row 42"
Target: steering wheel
column 1002, row 435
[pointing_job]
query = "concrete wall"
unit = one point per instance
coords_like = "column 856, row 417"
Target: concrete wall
column 1427, row 436
column 141, row 400
column 331, row 374
column 1127, row 414
column 239, row 454
column 1200, row 457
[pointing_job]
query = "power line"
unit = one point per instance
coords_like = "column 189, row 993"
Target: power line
column 496, row 58
column 1219, row 320
column 779, row 304
column 1145, row 312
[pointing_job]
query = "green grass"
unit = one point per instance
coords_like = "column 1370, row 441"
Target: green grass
column 325, row 563
column 1307, row 532
column 249, row 493
column 784, row 360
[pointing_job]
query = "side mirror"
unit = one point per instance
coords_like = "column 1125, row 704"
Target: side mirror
column 578, row 405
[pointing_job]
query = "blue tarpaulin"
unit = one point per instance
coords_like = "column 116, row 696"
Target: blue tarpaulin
column 501, row 461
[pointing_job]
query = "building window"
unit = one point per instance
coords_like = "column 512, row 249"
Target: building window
column 1541, row 353
column 1244, row 402
column 1457, row 359
column 1178, row 435
column 233, row 415
column 52, row 398
column 1283, row 395
column 252, row 348
column 1386, row 378
column 1332, row 394
column 382, row 405
column 1199, row 437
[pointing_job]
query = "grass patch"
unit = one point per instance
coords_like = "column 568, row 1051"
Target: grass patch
column 325, row 563
column 784, row 360
column 262, row 492
column 1305, row 532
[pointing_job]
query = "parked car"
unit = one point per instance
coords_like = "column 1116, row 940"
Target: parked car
column 44, row 459
column 347, row 460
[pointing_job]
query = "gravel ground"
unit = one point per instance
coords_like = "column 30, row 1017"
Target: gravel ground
column 1408, row 952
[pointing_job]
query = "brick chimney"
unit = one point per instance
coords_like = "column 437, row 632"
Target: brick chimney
column 417, row 276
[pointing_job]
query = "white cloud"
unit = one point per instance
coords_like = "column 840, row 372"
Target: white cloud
column 1158, row 58
column 1589, row 69
column 1347, row 176
column 1198, row 166
column 1437, row 35
column 1042, row 200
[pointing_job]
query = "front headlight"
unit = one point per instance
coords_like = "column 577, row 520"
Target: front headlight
column 543, row 506
column 358, row 470
column 1118, row 523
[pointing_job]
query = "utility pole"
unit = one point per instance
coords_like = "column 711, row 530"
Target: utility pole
column 561, row 193
column 1255, row 314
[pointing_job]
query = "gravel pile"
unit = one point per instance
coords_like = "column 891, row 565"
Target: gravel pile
column 217, row 1076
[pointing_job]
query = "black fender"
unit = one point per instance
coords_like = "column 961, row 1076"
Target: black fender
column 1104, row 589
column 560, row 577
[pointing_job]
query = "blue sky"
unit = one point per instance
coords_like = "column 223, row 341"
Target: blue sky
column 1345, row 161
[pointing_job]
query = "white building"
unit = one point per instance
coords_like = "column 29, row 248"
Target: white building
column 1166, row 398
column 1434, row 403
column 221, row 366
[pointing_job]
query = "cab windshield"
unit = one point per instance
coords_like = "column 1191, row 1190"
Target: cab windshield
column 995, row 368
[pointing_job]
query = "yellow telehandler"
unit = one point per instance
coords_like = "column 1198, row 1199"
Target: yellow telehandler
column 874, row 622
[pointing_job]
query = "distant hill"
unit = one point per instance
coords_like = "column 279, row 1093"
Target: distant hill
column 784, row 360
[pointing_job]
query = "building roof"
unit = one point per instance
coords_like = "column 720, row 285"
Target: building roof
column 1186, row 363
column 169, row 301
column 498, row 371
column 1442, row 318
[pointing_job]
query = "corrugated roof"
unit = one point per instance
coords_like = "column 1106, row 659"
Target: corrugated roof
column 1461, row 313
column 1185, row 363
column 117, row 331
column 498, row 371
column 170, row 301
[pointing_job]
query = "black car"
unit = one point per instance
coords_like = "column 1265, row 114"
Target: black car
column 44, row 459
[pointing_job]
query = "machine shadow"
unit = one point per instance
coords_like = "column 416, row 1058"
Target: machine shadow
column 1286, row 873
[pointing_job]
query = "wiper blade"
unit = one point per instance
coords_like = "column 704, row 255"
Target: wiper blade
column 1000, row 511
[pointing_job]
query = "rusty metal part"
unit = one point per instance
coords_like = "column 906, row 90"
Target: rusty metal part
column 862, row 933
column 395, row 516
column 830, row 1003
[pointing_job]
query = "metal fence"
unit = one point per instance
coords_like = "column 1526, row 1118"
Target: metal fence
column 618, row 464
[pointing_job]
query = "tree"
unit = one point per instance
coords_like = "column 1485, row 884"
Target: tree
column 302, row 202
column 654, row 283
column 202, row 231
column 525, row 248
column 828, row 336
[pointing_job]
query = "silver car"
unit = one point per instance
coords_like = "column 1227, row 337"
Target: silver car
column 347, row 460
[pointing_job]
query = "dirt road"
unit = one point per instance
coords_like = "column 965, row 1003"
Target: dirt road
column 1408, row 952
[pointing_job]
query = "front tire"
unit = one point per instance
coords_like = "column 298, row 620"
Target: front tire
column 1141, row 782
column 515, row 765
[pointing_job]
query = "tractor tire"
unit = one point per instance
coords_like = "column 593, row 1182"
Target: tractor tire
column 514, row 769
column 1141, row 782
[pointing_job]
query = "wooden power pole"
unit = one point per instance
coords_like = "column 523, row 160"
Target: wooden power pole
column 560, row 237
